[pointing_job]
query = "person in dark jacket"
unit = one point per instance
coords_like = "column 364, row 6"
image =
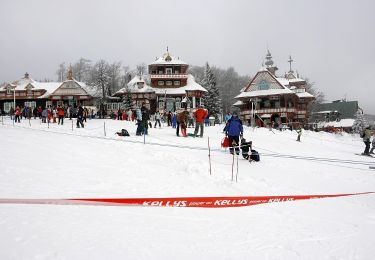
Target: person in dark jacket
column 366, row 139
column 80, row 116
column 234, row 130
column 145, row 117
column 246, row 147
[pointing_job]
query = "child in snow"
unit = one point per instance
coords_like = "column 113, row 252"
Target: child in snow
column 299, row 131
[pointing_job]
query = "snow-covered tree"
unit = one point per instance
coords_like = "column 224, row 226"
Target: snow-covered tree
column 114, row 75
column 360, row 122
column 127, row 100
column 211, row 99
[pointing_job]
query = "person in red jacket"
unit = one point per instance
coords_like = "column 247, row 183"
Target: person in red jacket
column 60, row 114
column 199, row 115
column 17, row 114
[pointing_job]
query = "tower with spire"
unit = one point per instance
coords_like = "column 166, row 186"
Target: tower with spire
column 269, row 64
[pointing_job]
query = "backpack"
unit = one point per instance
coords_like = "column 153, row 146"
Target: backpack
column 255, row 156
column 123, row 132
column 225, row 142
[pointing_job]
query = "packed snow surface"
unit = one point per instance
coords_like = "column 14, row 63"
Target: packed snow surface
column 64, row 162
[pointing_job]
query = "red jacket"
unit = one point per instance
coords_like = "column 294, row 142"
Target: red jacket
column 200, row 115
column 60, row 112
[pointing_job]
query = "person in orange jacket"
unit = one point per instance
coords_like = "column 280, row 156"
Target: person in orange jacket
column 60, row 114
column 199, row 115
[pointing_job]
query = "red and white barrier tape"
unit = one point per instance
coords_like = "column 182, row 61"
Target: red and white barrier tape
column 198, row 202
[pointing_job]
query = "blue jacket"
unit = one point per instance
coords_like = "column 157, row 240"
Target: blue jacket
column 234, row 126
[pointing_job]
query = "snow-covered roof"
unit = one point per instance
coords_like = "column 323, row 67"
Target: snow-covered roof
column 304, row 95
column 283, row 81
column 348, row 122
column 136, row 85
column 190, row 86
column 238, row 103
column 168, row 59
column 268, row 92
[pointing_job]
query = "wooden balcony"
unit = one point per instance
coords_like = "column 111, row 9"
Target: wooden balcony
column 273, row 111
column 168, row 76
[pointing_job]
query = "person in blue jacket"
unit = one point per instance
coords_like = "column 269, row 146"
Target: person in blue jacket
column 234, row 130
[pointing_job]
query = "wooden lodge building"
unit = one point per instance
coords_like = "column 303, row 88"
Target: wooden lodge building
column 171, row 87
column 271, row 100
column 26, row 92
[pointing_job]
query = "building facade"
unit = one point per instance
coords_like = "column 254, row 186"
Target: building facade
column 171, row 87
column 271, row 100
column 27, row 92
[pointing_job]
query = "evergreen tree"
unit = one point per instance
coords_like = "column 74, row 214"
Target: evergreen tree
column 360, row 122
column 127, row 100
column 211, row 99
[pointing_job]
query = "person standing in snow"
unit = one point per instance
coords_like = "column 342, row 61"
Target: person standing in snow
column 174, row 120
column 200, row 114
column 80, row 116
column 139, row 121
column 169, row 118
column 373, row 145
column 157, row 119
column 191, row 119
column 234, row 130
column 17, row 115
column 145, row 117
column 44, row 115
column 227, row 117
column 366, row 139
column 299, row 132
column 182, row 119
column 60, row 114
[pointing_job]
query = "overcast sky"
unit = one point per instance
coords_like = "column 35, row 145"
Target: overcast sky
column 332, row 42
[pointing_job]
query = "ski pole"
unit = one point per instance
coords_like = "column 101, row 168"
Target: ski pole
column 105, row 134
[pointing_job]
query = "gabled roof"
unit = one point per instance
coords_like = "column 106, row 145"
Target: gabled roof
column 191, row 85
column 347, row 109
column 276, row 86
column 134, row 86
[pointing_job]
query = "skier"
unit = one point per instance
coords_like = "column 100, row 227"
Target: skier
column 234, row 130
column 200, row 114
column 174, row 120
column 366, row 139
column 299, row 131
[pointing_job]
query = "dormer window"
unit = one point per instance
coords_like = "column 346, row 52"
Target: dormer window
column 168, row 71
column 9, row 91
column 140, row 85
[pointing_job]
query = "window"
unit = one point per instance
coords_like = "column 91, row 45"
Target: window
column 169, row 83
column 48, row 103
column 177, row 83
column 263, row 85
column 161, row 104
column 7, row 106
column 178, row 105
column 176, row 72
column 31, row 104
column 160, row 72
column 160, row 83
column 168, row 71
column 9, row 91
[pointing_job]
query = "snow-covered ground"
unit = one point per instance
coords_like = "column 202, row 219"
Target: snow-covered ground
column 56, row 162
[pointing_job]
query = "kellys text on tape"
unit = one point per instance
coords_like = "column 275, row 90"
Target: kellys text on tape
column 197, row 202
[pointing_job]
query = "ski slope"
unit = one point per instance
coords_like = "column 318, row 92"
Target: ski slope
column 37, row 162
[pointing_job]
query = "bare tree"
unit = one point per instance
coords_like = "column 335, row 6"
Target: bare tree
column 100, row 77
column 61, row 72
column 141, row 69
column 319, row 96
column 114, row 74
column 81, row 69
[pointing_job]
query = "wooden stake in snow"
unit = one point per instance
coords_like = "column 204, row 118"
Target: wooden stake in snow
column 105, row 133
column 72, row 125
column 209, row 153
column 237, row 168
column 29, row 122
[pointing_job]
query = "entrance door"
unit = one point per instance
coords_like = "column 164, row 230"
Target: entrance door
column 170, row 105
